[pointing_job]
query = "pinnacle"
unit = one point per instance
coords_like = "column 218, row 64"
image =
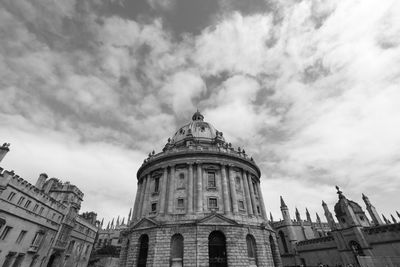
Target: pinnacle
column 283, row 203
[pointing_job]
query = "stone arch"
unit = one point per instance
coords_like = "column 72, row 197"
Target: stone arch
column 217, row 256
column 143, row 250
column 274, row 251
column 251, row 250
column 176, row 254
column 283, row 241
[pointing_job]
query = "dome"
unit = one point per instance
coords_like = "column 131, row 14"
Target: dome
column 340, row 207
column 197, row 130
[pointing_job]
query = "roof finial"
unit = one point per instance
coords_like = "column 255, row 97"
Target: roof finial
column 340, row 193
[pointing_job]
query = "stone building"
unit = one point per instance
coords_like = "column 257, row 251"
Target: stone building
column 199, row 203
column 354, row 239
column 108, row 243
column 40, row 225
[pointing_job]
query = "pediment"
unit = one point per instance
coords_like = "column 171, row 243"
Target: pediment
column 145, row 223
column 217, row 219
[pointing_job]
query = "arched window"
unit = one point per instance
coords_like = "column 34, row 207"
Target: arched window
column 176, row 257
column 217, row 249
column 274, row 251
column 143, row 250
column 251, row 250
column 283, row 240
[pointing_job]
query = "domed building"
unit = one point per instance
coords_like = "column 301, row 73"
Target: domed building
column 199, row 203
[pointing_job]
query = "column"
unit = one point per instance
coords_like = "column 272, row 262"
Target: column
column 199, row 188
column 225, row 190
column 141, row 199
column 190, row 189
column 146, row 206
column 233, row 190
column 163, row 191
column 247, row 193
column 171, row 190
column 252, row 196
column 261, row 200
column 137, row 199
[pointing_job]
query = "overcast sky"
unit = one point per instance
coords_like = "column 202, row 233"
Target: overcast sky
column 309, row 88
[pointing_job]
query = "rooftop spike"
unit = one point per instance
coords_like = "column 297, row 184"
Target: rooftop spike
column 393, row 218
column 398, row 214
column 283, row 203
column 270, row 217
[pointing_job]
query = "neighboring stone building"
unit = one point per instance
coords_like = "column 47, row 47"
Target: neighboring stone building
column 354, row 240
column 108, row 243
column 199, row 203
column 40, row 225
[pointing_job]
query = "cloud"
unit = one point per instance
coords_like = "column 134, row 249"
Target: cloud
column 308, row 88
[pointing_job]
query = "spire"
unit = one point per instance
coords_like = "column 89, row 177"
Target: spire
column 393, row 218
column 308, row 216
column 386, row 220
column 108, row 226
column 298, row 215
column 117, row 224
column 318, row 218
column 398, row 214
column 101, row 224
column 123, row 221
column 112, row 224
column 270, row 217
column 372, row 211
column 129, row 216
column 328, row 216
column 283, row 205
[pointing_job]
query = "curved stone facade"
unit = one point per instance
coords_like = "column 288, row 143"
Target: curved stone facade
column 205, row 192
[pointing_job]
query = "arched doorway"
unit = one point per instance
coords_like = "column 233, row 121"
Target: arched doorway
column 274, row 250
column 176, row 257
column 251, row 250
column 357, row 250
column 53, row 260
column 143, row 250
column 217, row 250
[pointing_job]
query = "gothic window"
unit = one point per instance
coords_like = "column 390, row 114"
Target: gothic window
column 238, row 185
column 143, row 250
column 217, row 250
column 176, row 253
column 181, row 181
column 283, row 241
column 211, row 180
column 212, row 203
column 251, row 250
column 181, row 203
column 258, row 210
column 156, row 184
column 241, row 204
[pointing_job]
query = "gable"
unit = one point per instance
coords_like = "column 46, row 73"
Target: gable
column 217, row 219
column 145, row 223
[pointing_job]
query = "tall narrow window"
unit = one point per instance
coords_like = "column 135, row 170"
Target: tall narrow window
column 5, row 232
column 211, row 179
column 238, row 185
column 251, row 250
column 27, row 204
column 154, row 207
column 241, row 205
column 20, row 237
column 21, row 199
column 176, row 257
column 181, row 181
column 143, row 250
column 11, row 196
column 35, row 207
column 255, row 189
column 18, row 261
column 156, row 184
column 181, row 203
column 274, row 251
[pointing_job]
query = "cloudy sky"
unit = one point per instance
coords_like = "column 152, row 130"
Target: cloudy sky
column 310, row 88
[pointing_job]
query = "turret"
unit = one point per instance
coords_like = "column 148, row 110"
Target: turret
column 298, row 218
column 372, row 211
column 329, row 216
column 4, row 150
column 41, row 180
column 285, row 212
column 308, row 216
